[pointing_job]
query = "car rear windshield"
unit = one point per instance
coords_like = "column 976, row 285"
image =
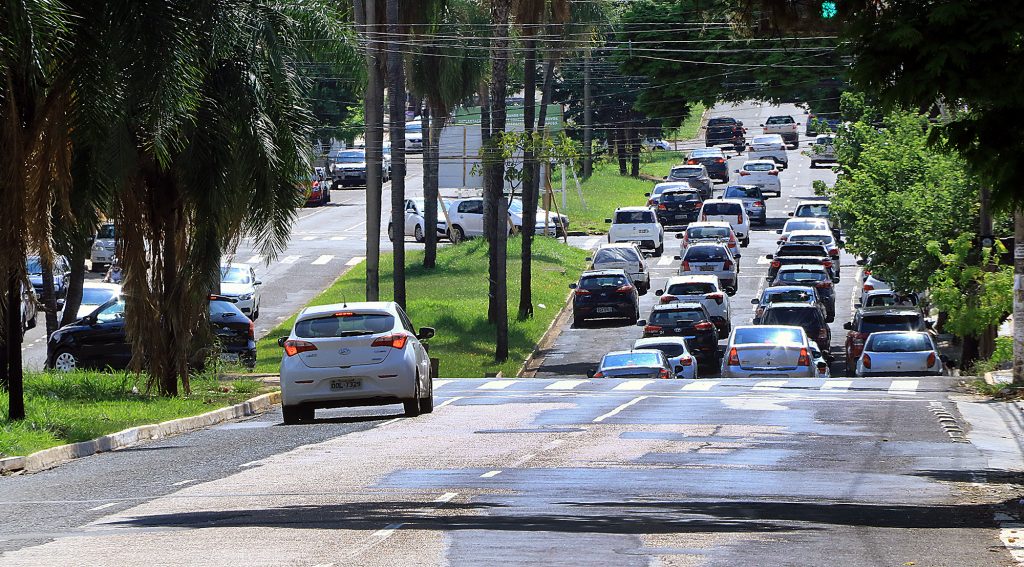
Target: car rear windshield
column 888, row 299
column 799, row 316
column 737, row 192
column 822, row 238
column 721, row 121
column 691, row 288
column 631, row 359
column 708, row 232
column 780, row 120
column 788, row 296
column 875, row 323
column 722, row 208
column 764, row 140
column 802, row 276
column 344, row 324
column 667, row 318
column 598, row 282
column 606, row 255
column 686, row 172
column 634, row 217
column 219, row 307
column 97, row 296
column 812, row 211
column 815, row 224
column 758, row 166
column 679, row 197
column 901, row 342
column 671, row 350
column 705, row 254
column 768, row 335
column 802, row 250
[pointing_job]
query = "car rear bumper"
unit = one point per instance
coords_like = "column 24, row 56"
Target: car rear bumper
column 311, row 387
column 604, row 310
column 740, row 372
column 896, row 373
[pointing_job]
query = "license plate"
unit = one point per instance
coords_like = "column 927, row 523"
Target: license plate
column 604, row 310
column 229, row 356
column 680, row 216
column 337, row 385
column 642, row 231
column 707, row 268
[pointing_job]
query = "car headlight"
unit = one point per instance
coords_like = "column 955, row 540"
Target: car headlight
column 245, row 297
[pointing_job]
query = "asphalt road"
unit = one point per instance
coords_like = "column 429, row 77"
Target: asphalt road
column 578, row 349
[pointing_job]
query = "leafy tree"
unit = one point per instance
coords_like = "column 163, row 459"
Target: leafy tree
column 974, row 295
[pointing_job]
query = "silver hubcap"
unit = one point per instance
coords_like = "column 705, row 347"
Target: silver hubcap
column 419, row 233
column 65, row 362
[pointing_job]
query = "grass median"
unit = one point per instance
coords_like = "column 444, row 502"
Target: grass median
column 452, row 298
column 78, row 406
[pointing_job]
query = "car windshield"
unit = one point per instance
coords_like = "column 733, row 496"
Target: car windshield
column 722, row 209
column 679, row 197
column 691, row 288
column 235, row 275
column 740, row 192
column 112, row 312
column 220, row 307
column 708, row 232
column 631, row 359
column 759, row 166
column 787, row 296
column 634, row 217
column 812, row 211
column 875, row 323
column 888, row 299
column 344, row 324
column 97, row 296
column 797, row 276
column 683, row 317
column 898, row 342
column 598, row 282
column 606, row 255
column 33, row 266
column 793, row 224
column 355, row 156
column 106, row 232
column 768, row 335
column 798, row 316
column 662, row 187
column 780, row 120
column 802, row 250
column 671, row 350
column 822, row 238
column 680, row 172
column 705, row 254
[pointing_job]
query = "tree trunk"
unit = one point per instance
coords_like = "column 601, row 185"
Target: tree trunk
column 1018, row 296
column 620, row 149
column 987, row 343
column 373, row 113
column 634, row 154
column 15, row 376
column 49, row 298
column 588, row 120
column 397, row 99
column 432, row 126
column 76, row 277
column 485, row 141
column 494, row 182
column 529, row 174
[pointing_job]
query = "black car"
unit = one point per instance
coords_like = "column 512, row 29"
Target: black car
column 678, row 207
column 34, row 268
column 713, row 160
column 98, row 340
column 778, row 261
column 819, row 252
column 604, row 294
column 811, row 275
column 688, row 320
column 724, row 130
column 804, row 315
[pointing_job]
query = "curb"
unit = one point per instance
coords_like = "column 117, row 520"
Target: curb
column 549, row 336
column 54, row 456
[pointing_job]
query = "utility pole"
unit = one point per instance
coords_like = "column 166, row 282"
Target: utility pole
column 588, row 120
column 397, row 100
column 1018, row 295
column 373, row 113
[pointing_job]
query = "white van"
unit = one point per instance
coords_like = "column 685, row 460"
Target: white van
column 731, row 211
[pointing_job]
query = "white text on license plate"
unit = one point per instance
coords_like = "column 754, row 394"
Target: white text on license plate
column 604, row 309
column 707, row 268
column 346, row 385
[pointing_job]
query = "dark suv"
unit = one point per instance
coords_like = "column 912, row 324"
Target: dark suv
column 869, row 320
column 713, row 160
column 723, row 130
column 677, row 207
column 604, row 294
column 811, row 275
column 805, row 315
column 689, row 320
column 804, row 253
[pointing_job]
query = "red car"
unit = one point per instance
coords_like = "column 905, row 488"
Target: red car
column 318, row 192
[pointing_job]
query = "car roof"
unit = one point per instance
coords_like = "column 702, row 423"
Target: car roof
column 235, row 265
column 791, row 304
column 707, row 244
column 632, row 209
column 678, row 306
column 811, row 232
column 666, row 185
column 802, row 267
column 629, row 245
column 891, row 310
column 772, row 136
column 750, row 161
column 599, row 273
column 709, row 224
column 672, row 190
column 633, row 351
column 808, row 202
column 742, row 327
column 925, row 333
column 706, row 152
column 740, row 185
column 639, row 343
column 731, row 201
column 389, row 307
column 782, row 288
column 705, row 278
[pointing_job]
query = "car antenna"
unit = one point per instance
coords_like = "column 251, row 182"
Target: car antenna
column 344, row 302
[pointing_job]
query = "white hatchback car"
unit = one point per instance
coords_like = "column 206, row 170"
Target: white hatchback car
column 900, row 353
column 238, row 281
column 793, row 225
column 769, row 146
column 354, row 354
column 714, row 260
column 637, row 224
column 731, row 211
column 698, row 232
column 763, row 173
column 704, row 289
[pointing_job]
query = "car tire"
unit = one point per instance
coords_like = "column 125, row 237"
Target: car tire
column 427, row 403
column 391, row 234
column 65, row 361
column 294, row 415
column 745, row 242
column 456, row 235
column 659, row 250
column 814, row 164
column 418, row 234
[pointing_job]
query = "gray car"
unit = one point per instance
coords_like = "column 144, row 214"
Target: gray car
column 753, row 201
column 640, row 363
column 696, row 175
column 768, row 351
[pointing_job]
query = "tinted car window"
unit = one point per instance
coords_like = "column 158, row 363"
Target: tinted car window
column 106, row 231
column 681, row 172
column 788, row 296
column 812, row 211
column 708, row 232
column 768, row 335
column 799, row 316
column 792, row 225
column 823, row 238
column 471, row 207
column 774, row 139
column 667, row 317
column 780, row 120
column 758, row 167
column 634, row 217
column 598, row 282
column 631, row 359
column 721, row 121
column 218, row 307
column 739, row 192
column 112, row 312
column 96, row 296
column 802, row 250
column 615, row 255
column 679, row 197
column 354, row 156
column 705, row 254
column 800, row 276
column 671, row 350
column 722, row 209
column 344, row 324
column 875, row 323
column 908, row 342
column 691, row 288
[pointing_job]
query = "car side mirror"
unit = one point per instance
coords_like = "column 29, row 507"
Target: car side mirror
column 857, row 305
column 609, row 221
column 861, row 262
column 281, row 340
column 664, row 178
column 769, row 256
column 848, row 326
column 738, row 256
column 679, row 369
column 660, row 292
column 762, row 125
column 257, row 282
column 641, row 323
column 677, row 257
column 573, row 286
column 425, row 333
column 754, row 301
column 789, row 214
column 590, row 373
column 588, row 259
column 647, row 194
column 679, row 236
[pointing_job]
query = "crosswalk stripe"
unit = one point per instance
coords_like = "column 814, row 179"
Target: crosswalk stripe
column 665, row 261
column 290, row 259
column 323, row 260
column 763, row 260
column 769, row 385
column 564, row 384
column 308, row 238
column 440, row 383
column 255, row 259
column 338, row 238
column 496, row 385
column 836, row 385
column 903, row 386
column 355, row 260
column 701, row 386
column 633, row 385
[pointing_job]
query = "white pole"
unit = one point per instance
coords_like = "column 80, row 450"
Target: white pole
column 563, row 187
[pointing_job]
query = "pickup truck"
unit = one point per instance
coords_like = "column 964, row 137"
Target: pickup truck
column 784, row 126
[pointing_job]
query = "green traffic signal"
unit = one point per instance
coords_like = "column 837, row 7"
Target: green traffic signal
column 828, row 10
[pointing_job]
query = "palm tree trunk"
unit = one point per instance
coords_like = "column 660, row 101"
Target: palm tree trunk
column 373, row 114
column 14, row 375
column 588, row 120
column 495, row 171
column 397, row 99
column 529, row 173
column 431, row 134
column 76, row 278
column 49, row 298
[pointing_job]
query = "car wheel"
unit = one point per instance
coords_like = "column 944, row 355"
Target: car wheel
column 412, row 407
column 294, row 415
column 456, row 235
column 745, row 242
column 65, row 361
column 391, row 234
column 660, row 249
column 427, row 403
column 418, row 234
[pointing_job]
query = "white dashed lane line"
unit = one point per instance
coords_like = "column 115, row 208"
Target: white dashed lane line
column 496, row 385
column 564, row 384
column 619, row 409
column 633, row 385
column 490, row 474
column 836, row 385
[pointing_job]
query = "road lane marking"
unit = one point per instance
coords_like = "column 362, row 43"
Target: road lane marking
column 590, row 243
column 665, row 261
column 633, row 385
column 290, row 259
column 495, row 385
column 355, row 227
column 355, row 260
column 616, row 411
column 449, row 401
column 255, row 259
column 446, row 497
column 387, row 531
column 184, row 482
column 564, row 384
column 702, row 386
column 390, row 421
column 440, row 383
column 769, row 385
column 904, row 386
column 338, row 238
column 323, row 260
column 490, row 474
column 103, row 506
column 523, row 460
column 308, row 238
column 763, row 260
column 836, row 385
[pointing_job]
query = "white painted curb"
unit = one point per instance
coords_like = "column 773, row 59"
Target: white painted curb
column 49, row 458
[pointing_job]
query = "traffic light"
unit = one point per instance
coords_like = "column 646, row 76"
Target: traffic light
column 828, row 9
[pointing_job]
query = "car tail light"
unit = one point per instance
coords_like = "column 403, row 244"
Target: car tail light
column 744, row 173
column 662, row 208
column 686, row 266
column 692, row 161
column 805, row 359
column 719, row 160
column 652, row 329
column 773, row 172
column 664, row 374
column 833, row 252
column 732, row 239
column 704, row 326
column 734, row 357
column 668, row 298
column 717, row 296
column 931, row 360
column 293, row 347
column 868, row 287
column 866, row 361
column 823, row 285
column 396, row 340
column 686, row 361
column 627, row 288
column 739, row 218
column 776, row 264
column 599, row 374
column 758, row 203
column 252, row 329
column 581, row 291
column 826, row 263
column 727, row 265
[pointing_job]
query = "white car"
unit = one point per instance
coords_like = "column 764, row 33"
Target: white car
column 665, row 186
column 625, row 256
column 769, row 351
column 713, row 260
column 698, row 232
column 104, row 246
column 675, row 350
column 703, row 289
column 414, row 136
column 637, row 224
column 794, row 224
column 354, row 354
column 467, row 219
column 871, row 283
column 655, row 144
column 815, row 208
column 817, row 236
column 770, row 147
column 238, row 282
column 94, row 294
column 823, row 150
column 414, row 221
column 763, row 173
column 731, row 211
column 900, row 353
